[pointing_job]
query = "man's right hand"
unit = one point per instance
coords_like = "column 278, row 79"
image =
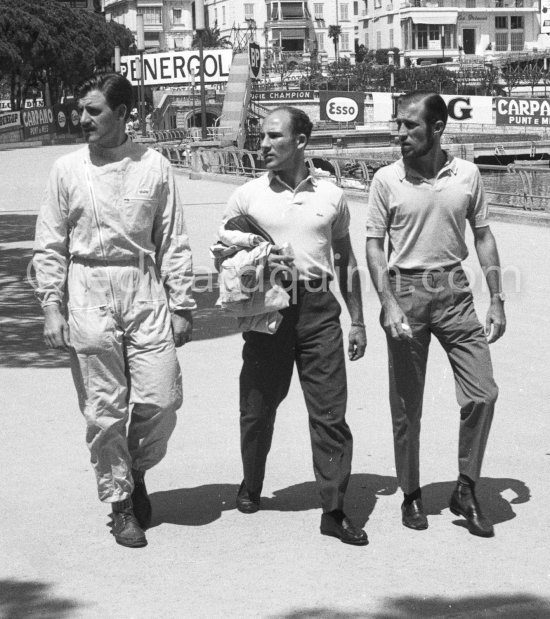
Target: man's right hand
column 395, row 322
column 280, row 259
column 56, row 329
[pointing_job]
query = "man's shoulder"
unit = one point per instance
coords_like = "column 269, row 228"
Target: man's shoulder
column 390, row 172
column 328, row 189
column 463, row 166
column 254, row 185
column 70, row 159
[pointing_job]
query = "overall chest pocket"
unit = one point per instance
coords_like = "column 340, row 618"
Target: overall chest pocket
column 137, row 214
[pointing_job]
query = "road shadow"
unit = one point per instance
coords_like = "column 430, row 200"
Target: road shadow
column 203, row 505
column 21, row 321
column 361, row 496
column 193, row 507
column 422, row 607
column 490, row 493
column 28, row 599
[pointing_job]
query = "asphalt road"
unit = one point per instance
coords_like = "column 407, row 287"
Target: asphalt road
column 204, row 558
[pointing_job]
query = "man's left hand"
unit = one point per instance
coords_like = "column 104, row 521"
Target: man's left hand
column 357, row 343
column 495, row 325
column 182, row 327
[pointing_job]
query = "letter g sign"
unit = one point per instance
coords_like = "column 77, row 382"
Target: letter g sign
column 459, row 108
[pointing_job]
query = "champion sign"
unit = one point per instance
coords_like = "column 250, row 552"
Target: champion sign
column 343, row 107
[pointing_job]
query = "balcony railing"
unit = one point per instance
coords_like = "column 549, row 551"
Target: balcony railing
column 469, row 5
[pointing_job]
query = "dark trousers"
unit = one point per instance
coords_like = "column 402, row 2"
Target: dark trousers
column 439, row 303
column 310, row 335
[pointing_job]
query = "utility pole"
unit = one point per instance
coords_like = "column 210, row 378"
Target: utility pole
column 199, row 27
column 140, row 44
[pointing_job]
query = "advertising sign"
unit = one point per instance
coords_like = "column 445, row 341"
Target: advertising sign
column 522, row 111
column 462, row 109
column 255, row 57
column 283, row 95
column 178, row 67
column 38, row 121
column 343, row 107
column 9, row 120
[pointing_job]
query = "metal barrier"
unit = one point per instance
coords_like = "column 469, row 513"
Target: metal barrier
column 525, row 187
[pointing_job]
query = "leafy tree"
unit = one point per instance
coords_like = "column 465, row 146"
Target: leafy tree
column 360, row 52
column 511, row 74
column 47, row 45
column 334, row 33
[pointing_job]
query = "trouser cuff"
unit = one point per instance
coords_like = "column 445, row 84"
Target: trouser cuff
column 120, row 506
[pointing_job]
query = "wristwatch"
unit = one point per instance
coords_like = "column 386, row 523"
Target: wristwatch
column 500, row 295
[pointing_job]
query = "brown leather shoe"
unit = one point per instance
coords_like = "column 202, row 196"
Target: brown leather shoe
column 464, row 503
column 125, row 526
column 413, row 516
column 337, row 524
column 246, row 502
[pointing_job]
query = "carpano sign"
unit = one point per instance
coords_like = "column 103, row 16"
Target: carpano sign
column 522, row 111
column 344, row 107
column 37, row 121
column 178, row 67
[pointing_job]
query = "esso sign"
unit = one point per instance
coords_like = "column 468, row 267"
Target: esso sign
column 342, row 109
column 342, row 106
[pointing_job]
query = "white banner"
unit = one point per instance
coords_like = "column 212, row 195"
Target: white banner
column 462, row 109
column 166, row 68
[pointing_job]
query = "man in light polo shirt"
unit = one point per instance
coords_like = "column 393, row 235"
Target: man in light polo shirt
column 423, row 202
column 311, row 215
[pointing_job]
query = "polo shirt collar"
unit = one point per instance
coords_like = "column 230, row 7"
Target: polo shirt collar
column 273, row 176
column 402, row 170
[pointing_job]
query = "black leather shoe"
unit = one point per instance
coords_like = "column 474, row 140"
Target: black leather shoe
column 464, row 503
column 246, row 502
column 125, row 527
column 413, row 515
column 142, row 504
column 337, row 524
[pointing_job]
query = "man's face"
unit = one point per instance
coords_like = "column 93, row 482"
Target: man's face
column 415, row 134
column 101, row 125
column 280, row 147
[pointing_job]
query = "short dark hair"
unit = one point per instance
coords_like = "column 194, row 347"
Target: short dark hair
column 299, row 120
column 435, row 107
column 115, row 87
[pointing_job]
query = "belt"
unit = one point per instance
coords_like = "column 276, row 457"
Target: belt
column 396, row 271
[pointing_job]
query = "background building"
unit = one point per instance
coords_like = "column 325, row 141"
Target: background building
column 168, row 24
column 444, row 30
column 289, row 26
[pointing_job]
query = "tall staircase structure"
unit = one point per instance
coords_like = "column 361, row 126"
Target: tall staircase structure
column 237, row 101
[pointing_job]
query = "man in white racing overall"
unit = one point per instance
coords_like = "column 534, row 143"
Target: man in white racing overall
column 111, row 253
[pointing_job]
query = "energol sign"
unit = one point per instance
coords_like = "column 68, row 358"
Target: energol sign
column 344, row 107
column 178, row 67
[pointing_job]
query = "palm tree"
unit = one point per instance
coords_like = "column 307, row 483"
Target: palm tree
column 334, row 34
column 211, row 38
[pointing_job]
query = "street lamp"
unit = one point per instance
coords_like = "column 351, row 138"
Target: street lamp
column 199, row 27
column 140, row 44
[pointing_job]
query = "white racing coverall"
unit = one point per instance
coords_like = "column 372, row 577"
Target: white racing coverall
column 111, row 243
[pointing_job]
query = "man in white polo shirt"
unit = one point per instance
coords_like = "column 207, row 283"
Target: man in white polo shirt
column 312, row 216
column 422, row 202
